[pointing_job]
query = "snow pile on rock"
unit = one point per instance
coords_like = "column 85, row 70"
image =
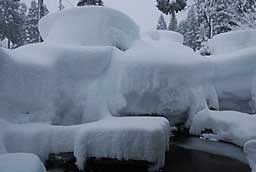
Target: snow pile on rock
column 250, row 151
column 234, row 79
column 229, row 126
column 44, row 82
column 125, row 138
column 232, row 41
column 89, row 26
column 20, row 162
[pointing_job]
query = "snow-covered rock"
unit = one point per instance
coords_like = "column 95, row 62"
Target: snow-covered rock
column 234, row 81
column 44, row 82
column 250, row 151
column 20, row 162
column 126, row 138
column 89, row 26
column 232, row 41
column 230, row 126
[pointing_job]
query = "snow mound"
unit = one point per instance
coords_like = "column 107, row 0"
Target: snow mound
column 127, row 138
column 50, row 85
column 161, row 35
column 234, row 79
column 250, row 151
column 89, row 26
column 122, row 138
column 230, row 126
column 21, row 162
column 232, row 41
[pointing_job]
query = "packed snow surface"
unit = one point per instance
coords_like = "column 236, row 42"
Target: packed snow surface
column 136, row 138
column 20, row 162
column 229, row 126
column 89, row 26
column 232, row 41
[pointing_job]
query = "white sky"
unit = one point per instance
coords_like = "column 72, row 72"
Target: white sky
column 143, row 12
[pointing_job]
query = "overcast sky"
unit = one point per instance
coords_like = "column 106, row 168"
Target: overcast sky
column 143, row 12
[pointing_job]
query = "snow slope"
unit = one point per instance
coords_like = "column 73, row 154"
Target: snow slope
column 106, row 27
column 21, row 162
column 126, row 138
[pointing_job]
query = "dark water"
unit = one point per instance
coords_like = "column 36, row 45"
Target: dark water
column 178, row 159
column 183, row 160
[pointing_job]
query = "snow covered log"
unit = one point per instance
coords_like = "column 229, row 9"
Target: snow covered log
column 89, row 26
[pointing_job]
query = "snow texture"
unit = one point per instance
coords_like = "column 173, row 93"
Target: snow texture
column 20, row 162
column 89, row 26
column 229, row 126
column 135, row 138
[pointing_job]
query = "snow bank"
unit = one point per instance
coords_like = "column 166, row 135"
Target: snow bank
column 230, row 126
column 161, row 35
column 21, row 162
column 89, row 26
column 250, row 151
column 232, row 41
column 122, row 138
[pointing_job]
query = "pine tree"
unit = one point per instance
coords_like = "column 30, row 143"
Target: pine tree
column 170, row 7
column 12, row 19
column 161, row 24
column 32, row 32
column 173, row 23
column 90, row 2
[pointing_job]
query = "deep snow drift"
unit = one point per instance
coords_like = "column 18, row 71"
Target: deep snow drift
column 135, row 138
column 89, row 26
